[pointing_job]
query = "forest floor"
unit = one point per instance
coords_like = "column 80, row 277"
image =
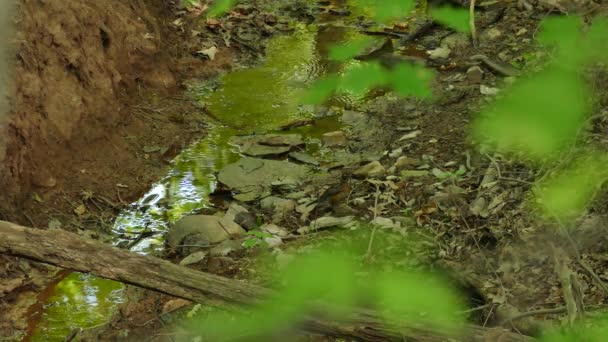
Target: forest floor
column 401, row 170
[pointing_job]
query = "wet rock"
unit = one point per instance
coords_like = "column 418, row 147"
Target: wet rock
column 304, row 158
column 264, row 150
column 199, row 231
column 326, row 222
column 193, row 258
column 475, row 74
column 268, row 144
column 280, row 207
column 373, row 169
column 225, row 248
column 252, row 177
column 334, row 139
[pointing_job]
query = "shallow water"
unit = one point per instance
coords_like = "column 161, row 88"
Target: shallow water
column 258, row 99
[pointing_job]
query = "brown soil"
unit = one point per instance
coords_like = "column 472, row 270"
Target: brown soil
column 93, row 83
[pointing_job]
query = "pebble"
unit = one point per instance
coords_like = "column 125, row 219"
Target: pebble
column 334, row 139
column 475, row 74
column 373, row 169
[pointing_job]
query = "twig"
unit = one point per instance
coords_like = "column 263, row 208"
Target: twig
column 569, row 286
column 503, row 70
column 472, row 22
column 552, row 311
column 372, row 236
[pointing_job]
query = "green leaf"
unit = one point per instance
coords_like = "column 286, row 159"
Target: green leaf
column 420, row 298
column 358, row 79
column 539, row 116
column 566, row 195
column 250, row 243
column 320, row 90
column 350, row 49
column 455, row 18
column 412, row 80
column 386, row 10
column 220, row 7
column 596, row 37
column 565, row 33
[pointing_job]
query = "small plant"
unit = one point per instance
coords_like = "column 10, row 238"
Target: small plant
column 255, row 238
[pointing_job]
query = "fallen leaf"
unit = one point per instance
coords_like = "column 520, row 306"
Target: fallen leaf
column 210, row 52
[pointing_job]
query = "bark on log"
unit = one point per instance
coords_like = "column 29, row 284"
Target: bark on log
column 71, row 251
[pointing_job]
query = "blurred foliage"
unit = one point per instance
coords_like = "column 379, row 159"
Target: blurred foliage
column 537, row 118
column 421, row 298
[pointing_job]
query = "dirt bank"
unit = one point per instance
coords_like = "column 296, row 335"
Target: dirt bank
column 91, row 89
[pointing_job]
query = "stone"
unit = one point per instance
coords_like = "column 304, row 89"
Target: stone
column 475, row 74
column 304, row 158
column 485, row 90
column 327, row 222
column 246, row 220
column 201, row 230
column 492, row 34
column 174, row 305
column 233, row 210
column 267, row 144
column 280, row 207
column 252, row 177
column 373, row 169
column 296, row 195
column 264, row 150
column 439, row 53
column 225, row 248
column 403, row 162
column 414, row 173
column 334, row 139
column 273, row 241
column 396, row 152
column 386, row 223
column 274, row 230
column 193, row 258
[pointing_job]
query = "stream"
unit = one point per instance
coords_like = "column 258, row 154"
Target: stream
column 250, row 100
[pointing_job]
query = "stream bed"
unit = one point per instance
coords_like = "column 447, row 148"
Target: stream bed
column 260, row 99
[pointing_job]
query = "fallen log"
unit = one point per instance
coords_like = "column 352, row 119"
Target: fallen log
column 71, row 251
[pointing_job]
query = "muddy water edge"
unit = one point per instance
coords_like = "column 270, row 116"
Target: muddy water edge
column 291, row 62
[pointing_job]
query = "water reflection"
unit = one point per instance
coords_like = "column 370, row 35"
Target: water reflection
column 259, row 99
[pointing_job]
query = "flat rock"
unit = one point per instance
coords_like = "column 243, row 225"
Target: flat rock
column 334, row 139
column 200, row 229
column 193, row 258
column 264, row 150
column 373, row 169
column 303, row 158
column 274, row 230
column 280, row 207
column 252, row 177
column 403, row 162
column 326, row 222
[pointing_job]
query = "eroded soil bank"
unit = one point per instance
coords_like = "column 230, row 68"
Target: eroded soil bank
column 92, row 84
